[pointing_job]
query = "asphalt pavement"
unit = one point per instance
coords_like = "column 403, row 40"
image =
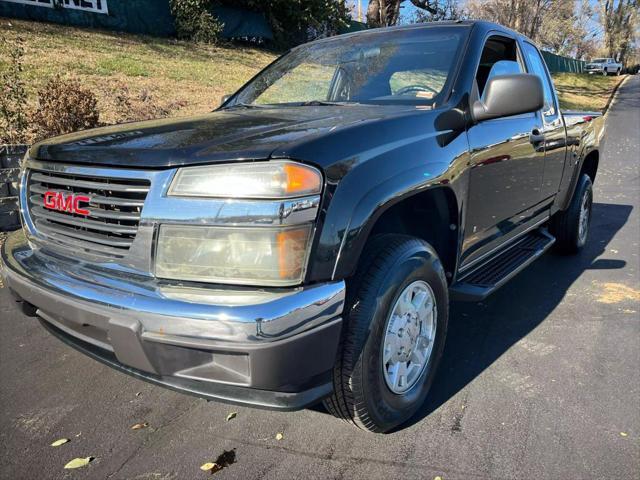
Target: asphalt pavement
column 541, row 381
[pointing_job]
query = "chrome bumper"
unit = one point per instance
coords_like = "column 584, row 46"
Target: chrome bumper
column 272, row 348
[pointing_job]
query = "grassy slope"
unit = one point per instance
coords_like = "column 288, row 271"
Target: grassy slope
column 181, row 77
column 584, row 92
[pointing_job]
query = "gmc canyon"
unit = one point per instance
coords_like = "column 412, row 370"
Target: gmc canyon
column 303, row 241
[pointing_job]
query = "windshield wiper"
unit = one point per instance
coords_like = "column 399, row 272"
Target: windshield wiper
column 244, row 105
column 322, row 103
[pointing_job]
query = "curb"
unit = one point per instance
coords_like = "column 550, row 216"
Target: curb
column 614, row 95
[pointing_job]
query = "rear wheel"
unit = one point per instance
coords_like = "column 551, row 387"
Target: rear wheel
column 571, row 227
column 395, row 327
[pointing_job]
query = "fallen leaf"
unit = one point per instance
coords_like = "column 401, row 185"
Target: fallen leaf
column 78, row 462
column 138, row 394
column 78, row 434
column 139, row 426
column 210, row 467
column 437, row 478
column 62, row 441
column 279, row 436
column 232, row 415
column 624, row 434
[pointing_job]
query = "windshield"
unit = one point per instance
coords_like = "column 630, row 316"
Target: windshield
column 397, row 66
column 599, row 60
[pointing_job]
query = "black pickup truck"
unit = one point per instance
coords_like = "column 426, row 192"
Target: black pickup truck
column 303, row 241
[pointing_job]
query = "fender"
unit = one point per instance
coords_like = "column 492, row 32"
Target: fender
column 585, row 133
column 384, row 176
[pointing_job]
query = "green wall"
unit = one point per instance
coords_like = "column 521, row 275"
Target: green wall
column 151, row 17
column 558, row 63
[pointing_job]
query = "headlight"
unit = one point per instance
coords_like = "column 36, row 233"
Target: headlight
column 248, row 256
column 273, row 179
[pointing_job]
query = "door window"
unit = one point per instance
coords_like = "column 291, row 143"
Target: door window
column 499, row 57
column 538, row 68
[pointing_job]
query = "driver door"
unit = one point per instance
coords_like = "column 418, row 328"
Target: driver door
column 507, row 164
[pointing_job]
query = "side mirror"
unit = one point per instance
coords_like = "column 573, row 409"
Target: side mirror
column 507, row 95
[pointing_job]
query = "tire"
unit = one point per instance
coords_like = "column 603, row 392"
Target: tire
column 566, row 225
column 362, row 397
column 605, row 73
column 618, row 73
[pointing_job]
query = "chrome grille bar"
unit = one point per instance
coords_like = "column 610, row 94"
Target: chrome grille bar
column 115, row 208
column 39, row 212
column 74, row 182
column 97, row 199
column 95, row 212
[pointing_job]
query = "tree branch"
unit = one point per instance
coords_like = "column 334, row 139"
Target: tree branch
column 425, row 5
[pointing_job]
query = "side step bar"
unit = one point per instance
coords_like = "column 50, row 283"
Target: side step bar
column 482, row 281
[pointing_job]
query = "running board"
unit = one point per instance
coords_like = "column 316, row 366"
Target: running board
column 482, row 281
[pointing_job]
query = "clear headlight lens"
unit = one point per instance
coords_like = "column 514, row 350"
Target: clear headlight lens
column 274, row 179
column 243, row 256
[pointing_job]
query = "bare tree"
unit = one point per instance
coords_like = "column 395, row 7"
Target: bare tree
column 445, row 10
column 620, row 24
column 384, row 13
column 569, row 30
column 524, row 16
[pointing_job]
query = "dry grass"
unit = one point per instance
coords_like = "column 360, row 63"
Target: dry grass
column 180, row 77
column 169, row 77
column 583, row 91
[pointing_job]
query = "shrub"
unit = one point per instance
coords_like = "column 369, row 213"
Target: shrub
column 64, row 107
column 194, row 21
column 13, row 97
column 143, row 106
column 295, row 22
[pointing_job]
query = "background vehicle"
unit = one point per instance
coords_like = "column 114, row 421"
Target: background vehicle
column 604, row 66
column 303, row 241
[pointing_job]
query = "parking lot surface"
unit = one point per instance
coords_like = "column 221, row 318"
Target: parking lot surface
column 540, row 381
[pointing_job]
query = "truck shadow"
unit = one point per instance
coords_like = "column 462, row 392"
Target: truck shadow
column 479, row 333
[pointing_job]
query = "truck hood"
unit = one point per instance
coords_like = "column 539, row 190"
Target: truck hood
column 221, row 136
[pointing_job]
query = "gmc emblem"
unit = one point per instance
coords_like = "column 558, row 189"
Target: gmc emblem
column 66, row 203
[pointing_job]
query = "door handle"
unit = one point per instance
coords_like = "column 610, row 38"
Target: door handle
column 535, row 136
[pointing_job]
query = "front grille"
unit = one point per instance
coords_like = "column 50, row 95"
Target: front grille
column 114, row 208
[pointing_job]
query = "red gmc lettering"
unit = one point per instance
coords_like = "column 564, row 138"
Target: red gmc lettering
column 66, row 203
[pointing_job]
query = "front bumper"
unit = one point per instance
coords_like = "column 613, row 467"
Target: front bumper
column 267, row 348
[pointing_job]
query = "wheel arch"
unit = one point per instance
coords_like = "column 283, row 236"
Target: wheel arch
column 425, row 214
column 590, row 164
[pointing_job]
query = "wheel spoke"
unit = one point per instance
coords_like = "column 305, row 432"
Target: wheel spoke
column 404, row 304
column 418, row 356
column 402, row 374
column 425, row 311
column 390, row 347
column 394, row 376
column 419, row 300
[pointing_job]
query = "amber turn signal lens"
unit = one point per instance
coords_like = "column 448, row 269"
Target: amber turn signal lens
column 301, row 179
column 292, row 249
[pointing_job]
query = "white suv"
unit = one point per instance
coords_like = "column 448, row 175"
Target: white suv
column 604, row 66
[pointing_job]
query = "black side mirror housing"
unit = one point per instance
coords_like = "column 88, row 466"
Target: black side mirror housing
column 507, row 95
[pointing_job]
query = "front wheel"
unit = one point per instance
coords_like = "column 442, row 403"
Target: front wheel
column 395, row 328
